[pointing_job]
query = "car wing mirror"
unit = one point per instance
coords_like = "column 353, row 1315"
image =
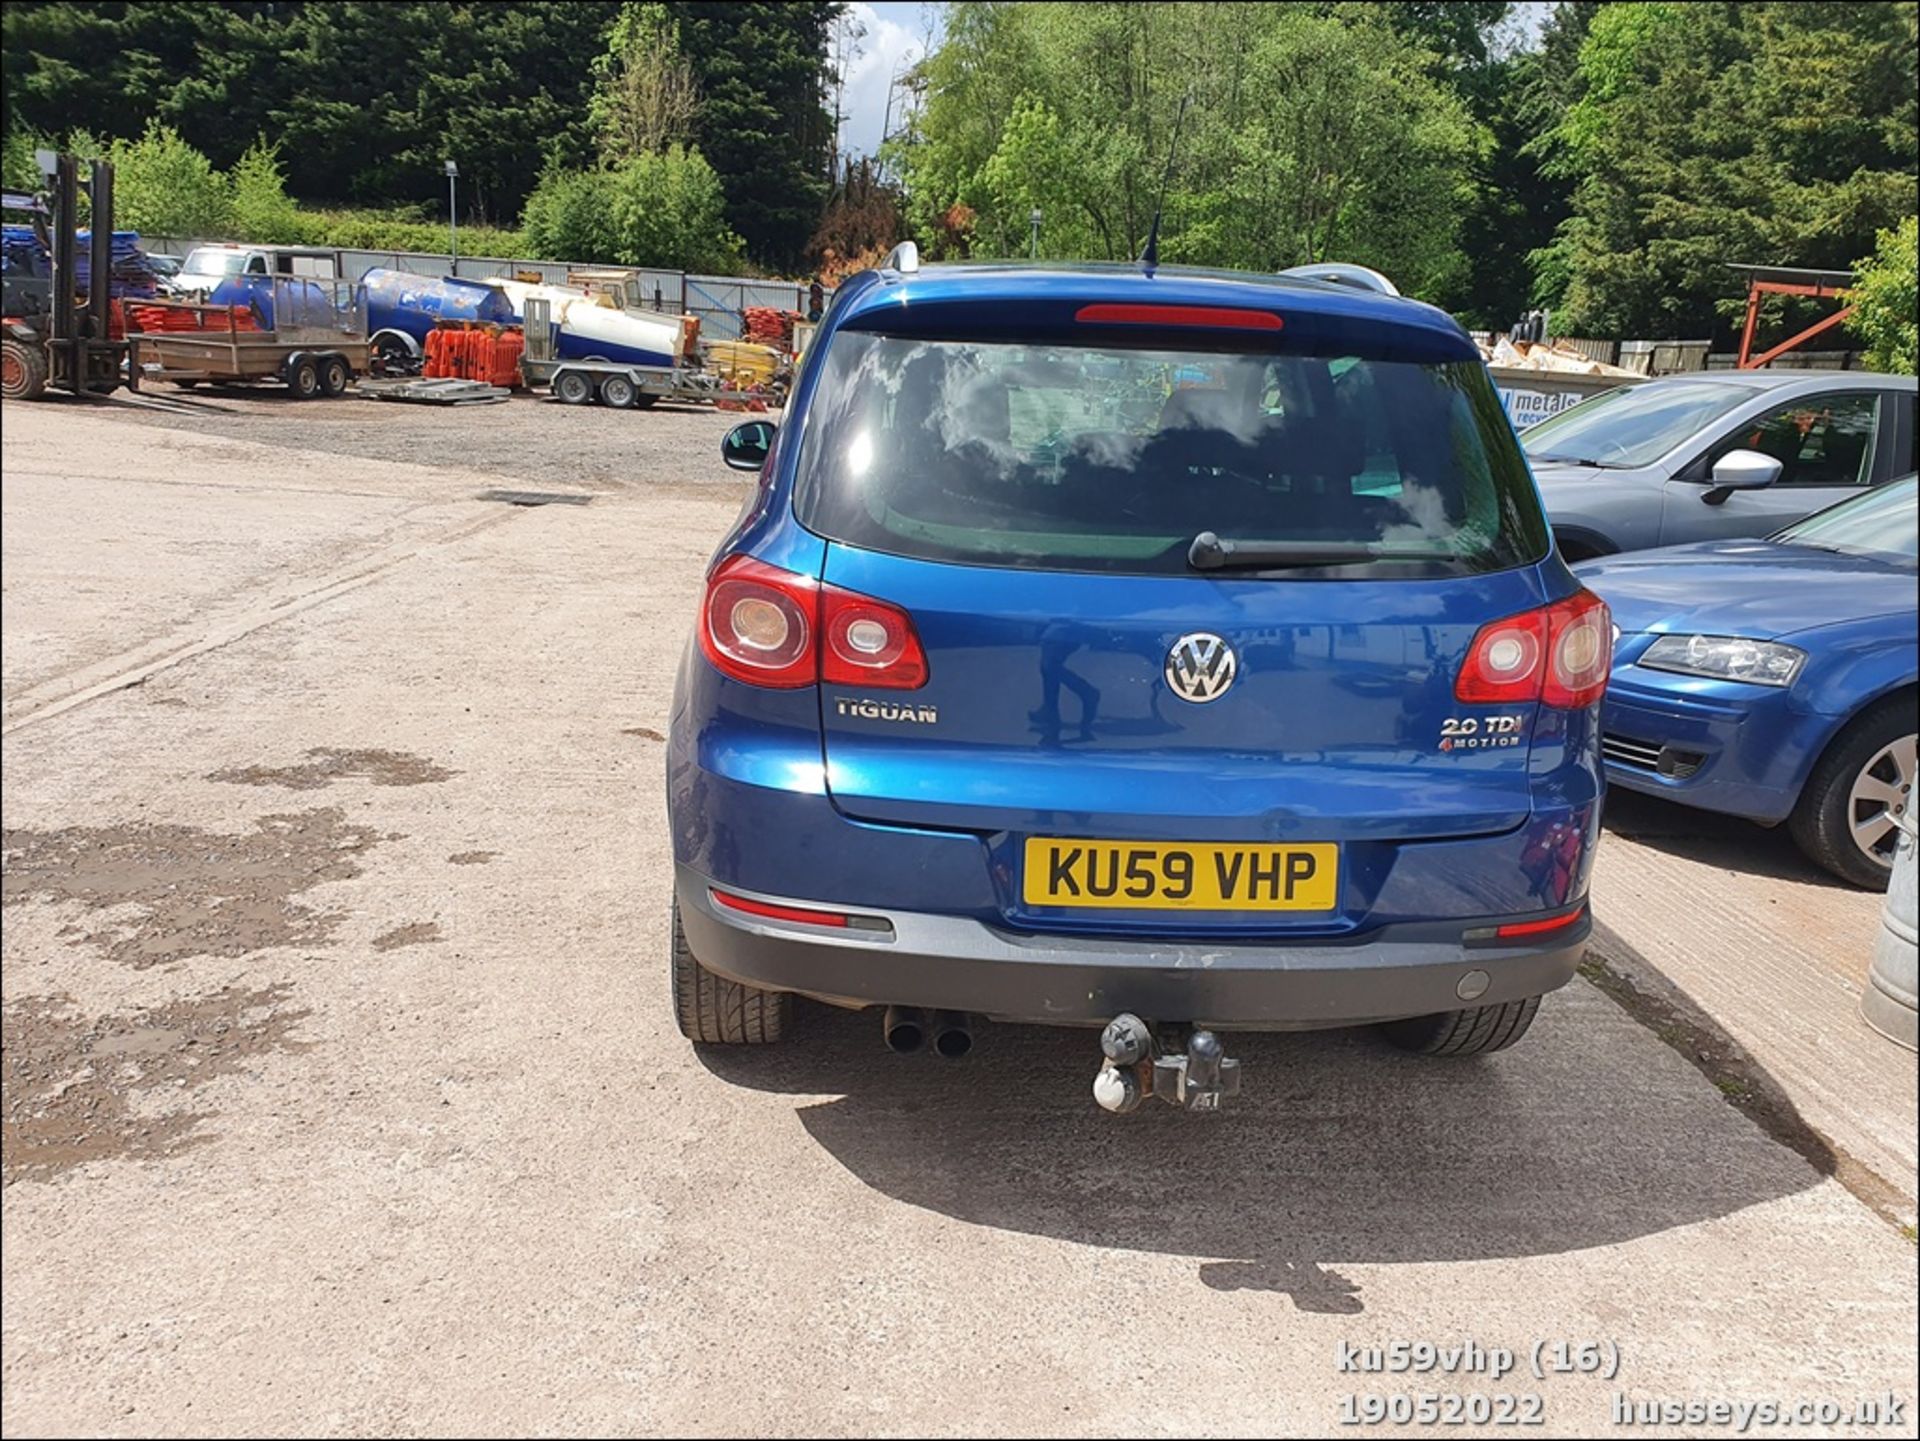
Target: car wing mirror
column 746, row 446
column 1741, row 470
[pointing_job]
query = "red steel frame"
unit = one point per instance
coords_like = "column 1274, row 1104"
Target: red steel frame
column 1817, row 291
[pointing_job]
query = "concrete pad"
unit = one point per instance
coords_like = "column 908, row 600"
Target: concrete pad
column 472, row 1179
column 1776, row 951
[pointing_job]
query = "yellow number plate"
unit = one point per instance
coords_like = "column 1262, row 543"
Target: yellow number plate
column 1157, row 875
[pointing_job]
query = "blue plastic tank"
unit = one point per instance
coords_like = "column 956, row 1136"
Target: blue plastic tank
column 397, row 300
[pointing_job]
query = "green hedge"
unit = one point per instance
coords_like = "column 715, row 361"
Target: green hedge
column 382, row 230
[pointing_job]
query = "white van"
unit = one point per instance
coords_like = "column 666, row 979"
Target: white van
column 208, row 265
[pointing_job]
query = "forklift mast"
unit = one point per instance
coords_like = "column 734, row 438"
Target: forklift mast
column 68, row 344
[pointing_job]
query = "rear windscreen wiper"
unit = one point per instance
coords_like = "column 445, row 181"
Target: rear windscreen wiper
column 1210, row 552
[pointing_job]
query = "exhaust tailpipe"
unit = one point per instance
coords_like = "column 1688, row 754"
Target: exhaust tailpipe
column 952, row 1034
column 905, row 1028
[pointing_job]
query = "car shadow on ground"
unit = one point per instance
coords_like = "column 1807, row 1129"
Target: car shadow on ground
column 1340, row 1151
column 1729, row 842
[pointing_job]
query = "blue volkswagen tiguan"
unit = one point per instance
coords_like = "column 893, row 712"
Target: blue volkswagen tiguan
column 1166, row 649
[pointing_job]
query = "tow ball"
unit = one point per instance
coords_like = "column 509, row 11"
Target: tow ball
column 1139, row 1064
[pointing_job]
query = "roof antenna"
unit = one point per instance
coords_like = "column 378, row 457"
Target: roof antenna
column 1150, row 257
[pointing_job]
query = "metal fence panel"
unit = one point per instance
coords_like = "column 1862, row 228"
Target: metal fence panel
column 1605, row 351
column 721, row 302
column 665, row 290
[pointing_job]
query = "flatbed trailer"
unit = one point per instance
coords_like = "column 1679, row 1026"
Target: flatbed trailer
column 318, row 348
column 610, row 382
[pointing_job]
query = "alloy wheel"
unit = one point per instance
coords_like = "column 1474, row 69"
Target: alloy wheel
column 1882, row 792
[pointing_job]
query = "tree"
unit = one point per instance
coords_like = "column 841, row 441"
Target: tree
column 1515, row 203
column 17, row 168
column 163, row 186
column 645, row 96
column 862, row 222
column 1455, row 32
column 763, row 122
column 662, row 209
column 366, row 98
column 1885, row 301
column 1311, row 132
column 1349, row 150
column 262, row 210
column 1779, row 134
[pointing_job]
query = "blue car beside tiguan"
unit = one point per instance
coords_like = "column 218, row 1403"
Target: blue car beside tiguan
column 1168, row 650
column 1776, row 679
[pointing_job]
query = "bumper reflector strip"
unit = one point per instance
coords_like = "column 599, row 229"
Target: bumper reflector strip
column 805, row 915
column 779, row 913
column 1517, row 929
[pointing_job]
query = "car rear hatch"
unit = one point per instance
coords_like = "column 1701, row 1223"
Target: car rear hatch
column 1253, row 733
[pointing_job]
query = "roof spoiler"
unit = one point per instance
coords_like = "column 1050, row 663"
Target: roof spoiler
column 1339, row 272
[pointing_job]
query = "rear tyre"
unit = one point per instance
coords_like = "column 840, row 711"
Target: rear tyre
column 23, row 370
column 1472, row 1032
column 304, row 380
column 572, row 387
column 619, row 392
column 335, row 375
column 1845, row 817
column 716, row 1011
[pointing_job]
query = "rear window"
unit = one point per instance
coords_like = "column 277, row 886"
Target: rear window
column 1076, row 458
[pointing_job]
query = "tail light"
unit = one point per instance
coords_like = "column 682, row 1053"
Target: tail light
column 758, row 624
column 868, row 642
column 1558, row 655
column 772, row 627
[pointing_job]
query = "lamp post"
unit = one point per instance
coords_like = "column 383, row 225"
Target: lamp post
column 1034, row 220
column 453, row 223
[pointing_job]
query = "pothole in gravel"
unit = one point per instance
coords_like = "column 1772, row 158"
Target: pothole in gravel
column 71, row 1086
column 326, row 764
column 193, row 892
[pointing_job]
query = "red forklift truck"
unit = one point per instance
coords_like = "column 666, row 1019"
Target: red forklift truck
column 49, row 337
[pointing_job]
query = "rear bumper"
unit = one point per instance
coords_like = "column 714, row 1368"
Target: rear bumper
column 957, row 963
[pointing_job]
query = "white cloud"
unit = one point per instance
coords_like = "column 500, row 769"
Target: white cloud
column 887, row 49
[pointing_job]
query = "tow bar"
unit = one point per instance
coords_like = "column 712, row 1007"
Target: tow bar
column 1139, row 1064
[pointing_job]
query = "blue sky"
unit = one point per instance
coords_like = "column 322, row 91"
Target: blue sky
column 896, row 35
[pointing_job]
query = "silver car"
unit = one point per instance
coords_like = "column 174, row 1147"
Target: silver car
column 1716, row 455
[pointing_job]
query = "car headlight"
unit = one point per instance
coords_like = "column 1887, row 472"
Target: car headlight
column 1726, row 657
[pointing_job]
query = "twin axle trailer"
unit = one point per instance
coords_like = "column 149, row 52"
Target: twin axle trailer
column 617, row 383
column 310, row 337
